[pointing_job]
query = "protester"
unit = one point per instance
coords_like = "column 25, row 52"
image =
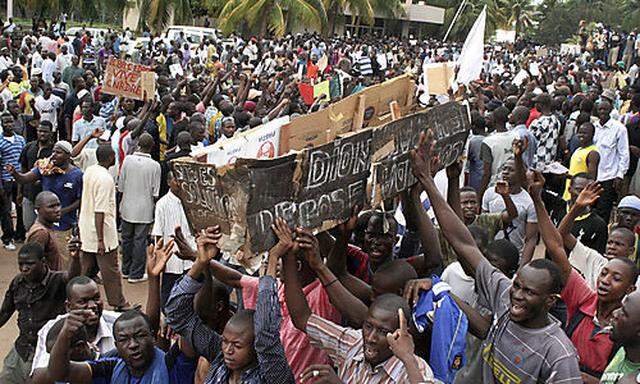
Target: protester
column 38, row 295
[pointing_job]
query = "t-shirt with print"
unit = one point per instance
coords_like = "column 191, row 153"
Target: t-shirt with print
column 546, row 130
column 48, row 109
column 68, row 188
column 300, row 354
column 516, row 231
column 618, row 367
column 515, row 354
column 496, row 149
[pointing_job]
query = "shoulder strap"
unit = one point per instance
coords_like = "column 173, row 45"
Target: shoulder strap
column 573, row 323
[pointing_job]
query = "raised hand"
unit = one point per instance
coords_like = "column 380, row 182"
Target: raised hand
column 350, row 225
column 76, row 319
column 208, row 244
column 283, row 233
column 320, row 374
column 157, row 257
column 308, row 243
column 412, row 289
column 421, row 157
column 535, row 182
column 97, row 133
column 400, row 341
column 589, row 195
column 454, row 170
column 185, row 252
column 10, row 168
column 519, row 146
column 502, row 188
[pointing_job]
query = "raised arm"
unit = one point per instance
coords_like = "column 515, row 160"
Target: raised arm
column 550, row 235
column 60, row 368
column 77, row 149
column 21, row 178
column 453, row 228
column 353, row 310
column 337, row 259
column 74, row 267
column 270, row 352
column 157, row 257
column 510, row 212
column 587, row 198
column 453, row 187
column 427, row 233
column 294, row 297
column 179, row 309
column 227, row 276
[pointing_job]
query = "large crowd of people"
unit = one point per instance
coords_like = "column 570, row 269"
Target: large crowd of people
column 522, row 269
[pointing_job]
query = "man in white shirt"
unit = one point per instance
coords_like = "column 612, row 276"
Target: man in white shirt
column 97, row 224
column 64, row 58
column 139, row 183
column 48, row 67
column 170, row 214
column 47, row 105
column 612, row 140
column 87, row 124
column 83, row 293
column 36, row 59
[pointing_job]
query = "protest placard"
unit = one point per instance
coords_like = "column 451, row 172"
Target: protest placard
column 392, row 142
column 438, row 77
column 122, row 78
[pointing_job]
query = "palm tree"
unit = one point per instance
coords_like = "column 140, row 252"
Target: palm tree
column 157, row 14
column 364, row 10
column 520, row 14
column 269, row 15
column 468, row 16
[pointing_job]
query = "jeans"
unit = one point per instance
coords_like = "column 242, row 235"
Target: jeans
column 15, row 370
column 10, row 192
column 134, row 248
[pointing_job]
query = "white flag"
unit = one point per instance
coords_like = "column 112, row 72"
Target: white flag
column 472, row 55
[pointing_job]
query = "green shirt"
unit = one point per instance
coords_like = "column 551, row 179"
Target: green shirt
column 618, row 367
column 492, row 222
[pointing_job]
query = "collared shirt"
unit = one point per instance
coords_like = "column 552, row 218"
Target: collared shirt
column 83, row 128
column 98, row 196
column 36, row 304
column 28, row 157
column 44, row 236
column 345, row 346
column 169, row 214
column 272, row 367
column 593, row 345
column 10, row 150
column 139, row 183
column 68, row 188
column 612, row 141
column 103, row 343
column 300, row 354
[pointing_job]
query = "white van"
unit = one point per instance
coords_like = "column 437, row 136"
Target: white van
column 194, row 35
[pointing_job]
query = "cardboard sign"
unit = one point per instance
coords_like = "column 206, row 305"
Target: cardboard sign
column 438, row 77
column 393, row 141
column 321, row 88
column 317, row 187
column 123, row 78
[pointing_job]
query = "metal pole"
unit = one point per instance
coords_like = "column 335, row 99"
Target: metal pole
column 455, row 17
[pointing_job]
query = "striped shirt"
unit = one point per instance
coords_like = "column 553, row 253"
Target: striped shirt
column 10, row 149
column 345, row 347
column 364, row 65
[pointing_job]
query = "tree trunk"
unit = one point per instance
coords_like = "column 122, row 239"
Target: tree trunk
column 332, row 15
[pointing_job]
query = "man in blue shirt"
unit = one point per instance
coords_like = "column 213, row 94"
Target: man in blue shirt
column 11, row 145
column 59, row 176
column 138, row 361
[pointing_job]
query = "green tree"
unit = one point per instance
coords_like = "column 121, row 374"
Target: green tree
column 521, row 14
column 468, row 16
column 364, row 11
column 265, row 16
column 157, row 14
